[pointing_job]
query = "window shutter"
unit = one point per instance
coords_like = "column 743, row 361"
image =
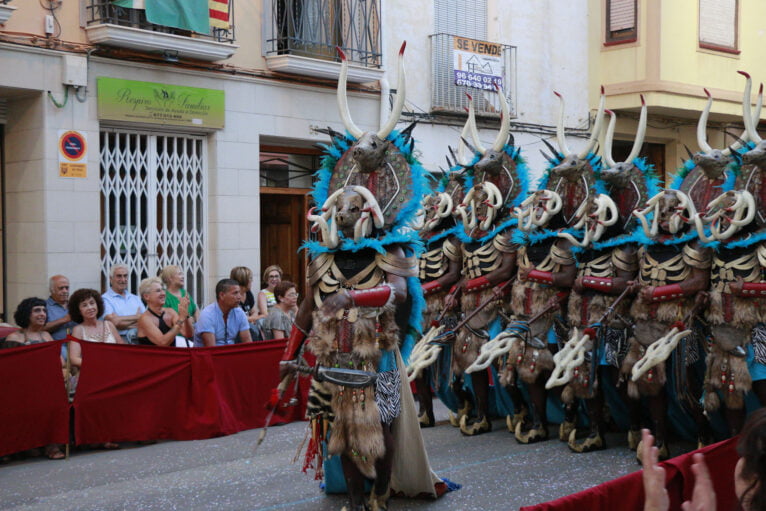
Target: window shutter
column 622, row 15
column 718, row 22
column 467, row 18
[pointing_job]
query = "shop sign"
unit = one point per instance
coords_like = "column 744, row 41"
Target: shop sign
column 477, row 64
column 73, row 154
column 159, row 103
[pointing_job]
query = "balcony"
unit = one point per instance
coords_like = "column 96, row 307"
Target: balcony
column 301, row 36
column 5, row 11
column 447, row 97
column 111, row 25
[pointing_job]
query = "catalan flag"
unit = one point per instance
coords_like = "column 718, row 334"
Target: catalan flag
column 219, row 14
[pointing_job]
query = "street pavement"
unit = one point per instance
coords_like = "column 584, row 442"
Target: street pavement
column 223, row 474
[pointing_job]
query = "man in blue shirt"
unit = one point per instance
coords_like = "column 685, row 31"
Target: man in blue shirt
column 121, row 307
column 223, row 321
column 59, row 323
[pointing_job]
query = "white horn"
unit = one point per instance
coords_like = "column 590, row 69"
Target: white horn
column 639, row 140
column 702, row 126
column 747, row 114
column 505, row 122
column 474, row 129
column 596, row 127
column 396, row 110
column 608, row 139
column 560, row 127
column 345, row 115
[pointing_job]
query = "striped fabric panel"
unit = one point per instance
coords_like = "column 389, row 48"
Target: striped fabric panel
column 388, row 395
column 219, row 13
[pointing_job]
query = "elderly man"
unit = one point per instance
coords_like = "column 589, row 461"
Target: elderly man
column 223, row 321
column 59, row 323
column 121, row 307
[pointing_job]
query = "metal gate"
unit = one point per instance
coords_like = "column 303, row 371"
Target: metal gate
column 153, row 196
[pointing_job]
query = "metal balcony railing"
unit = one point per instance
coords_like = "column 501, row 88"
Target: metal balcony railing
column 313, row 28
column 448, row 97
column 105, row 12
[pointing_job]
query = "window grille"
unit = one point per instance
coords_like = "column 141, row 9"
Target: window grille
column 313, row 28
column 621, row 21
column 152, row 206
column 718, row 24
column 104, row 11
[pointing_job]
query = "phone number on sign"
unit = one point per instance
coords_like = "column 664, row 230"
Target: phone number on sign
column 477, row 81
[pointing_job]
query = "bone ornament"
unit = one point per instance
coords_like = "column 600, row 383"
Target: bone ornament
column 526, row 214
column 424, row 354
column 658, row 352
column 677, row 219
column 569, row 357
column 492, row 350
column 595, row 222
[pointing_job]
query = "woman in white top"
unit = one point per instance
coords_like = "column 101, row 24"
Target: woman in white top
column 85, row 307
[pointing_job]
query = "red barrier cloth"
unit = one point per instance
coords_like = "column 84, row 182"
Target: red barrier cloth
column 34, row 409
column 627, row 493
column 132, row 393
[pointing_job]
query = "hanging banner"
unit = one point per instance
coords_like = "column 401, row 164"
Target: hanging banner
column 477, row 64
column 73, row 154
column 159, row 103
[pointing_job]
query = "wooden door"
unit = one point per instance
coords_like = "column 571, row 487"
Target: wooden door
column 283, row 229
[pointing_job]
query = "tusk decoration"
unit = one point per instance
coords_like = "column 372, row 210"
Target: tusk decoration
column 567, row 359
column 658, row 352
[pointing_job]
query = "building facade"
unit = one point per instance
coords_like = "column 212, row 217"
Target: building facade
column 671, row 52
column 132, row 131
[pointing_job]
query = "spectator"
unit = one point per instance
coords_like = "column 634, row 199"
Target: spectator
column 121, row 307
column 244, row 276
column 223, row 321
column 59, row 323
column 280, row 320
column 173, row 278
column 266, row 299
column 30, row 315
column 85, row 307
column 160, row 325
column 749, row 473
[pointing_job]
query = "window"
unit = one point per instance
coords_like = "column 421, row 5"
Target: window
column 453, row 20
column 621, row 21
column 313, row 28
column 718, row 25
column 152, row 206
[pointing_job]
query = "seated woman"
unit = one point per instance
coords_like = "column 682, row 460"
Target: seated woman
column 280, row 319
column 85, row 307
column 160, row 325
column 31, row 315
column 173, row 278
column 266, row 298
